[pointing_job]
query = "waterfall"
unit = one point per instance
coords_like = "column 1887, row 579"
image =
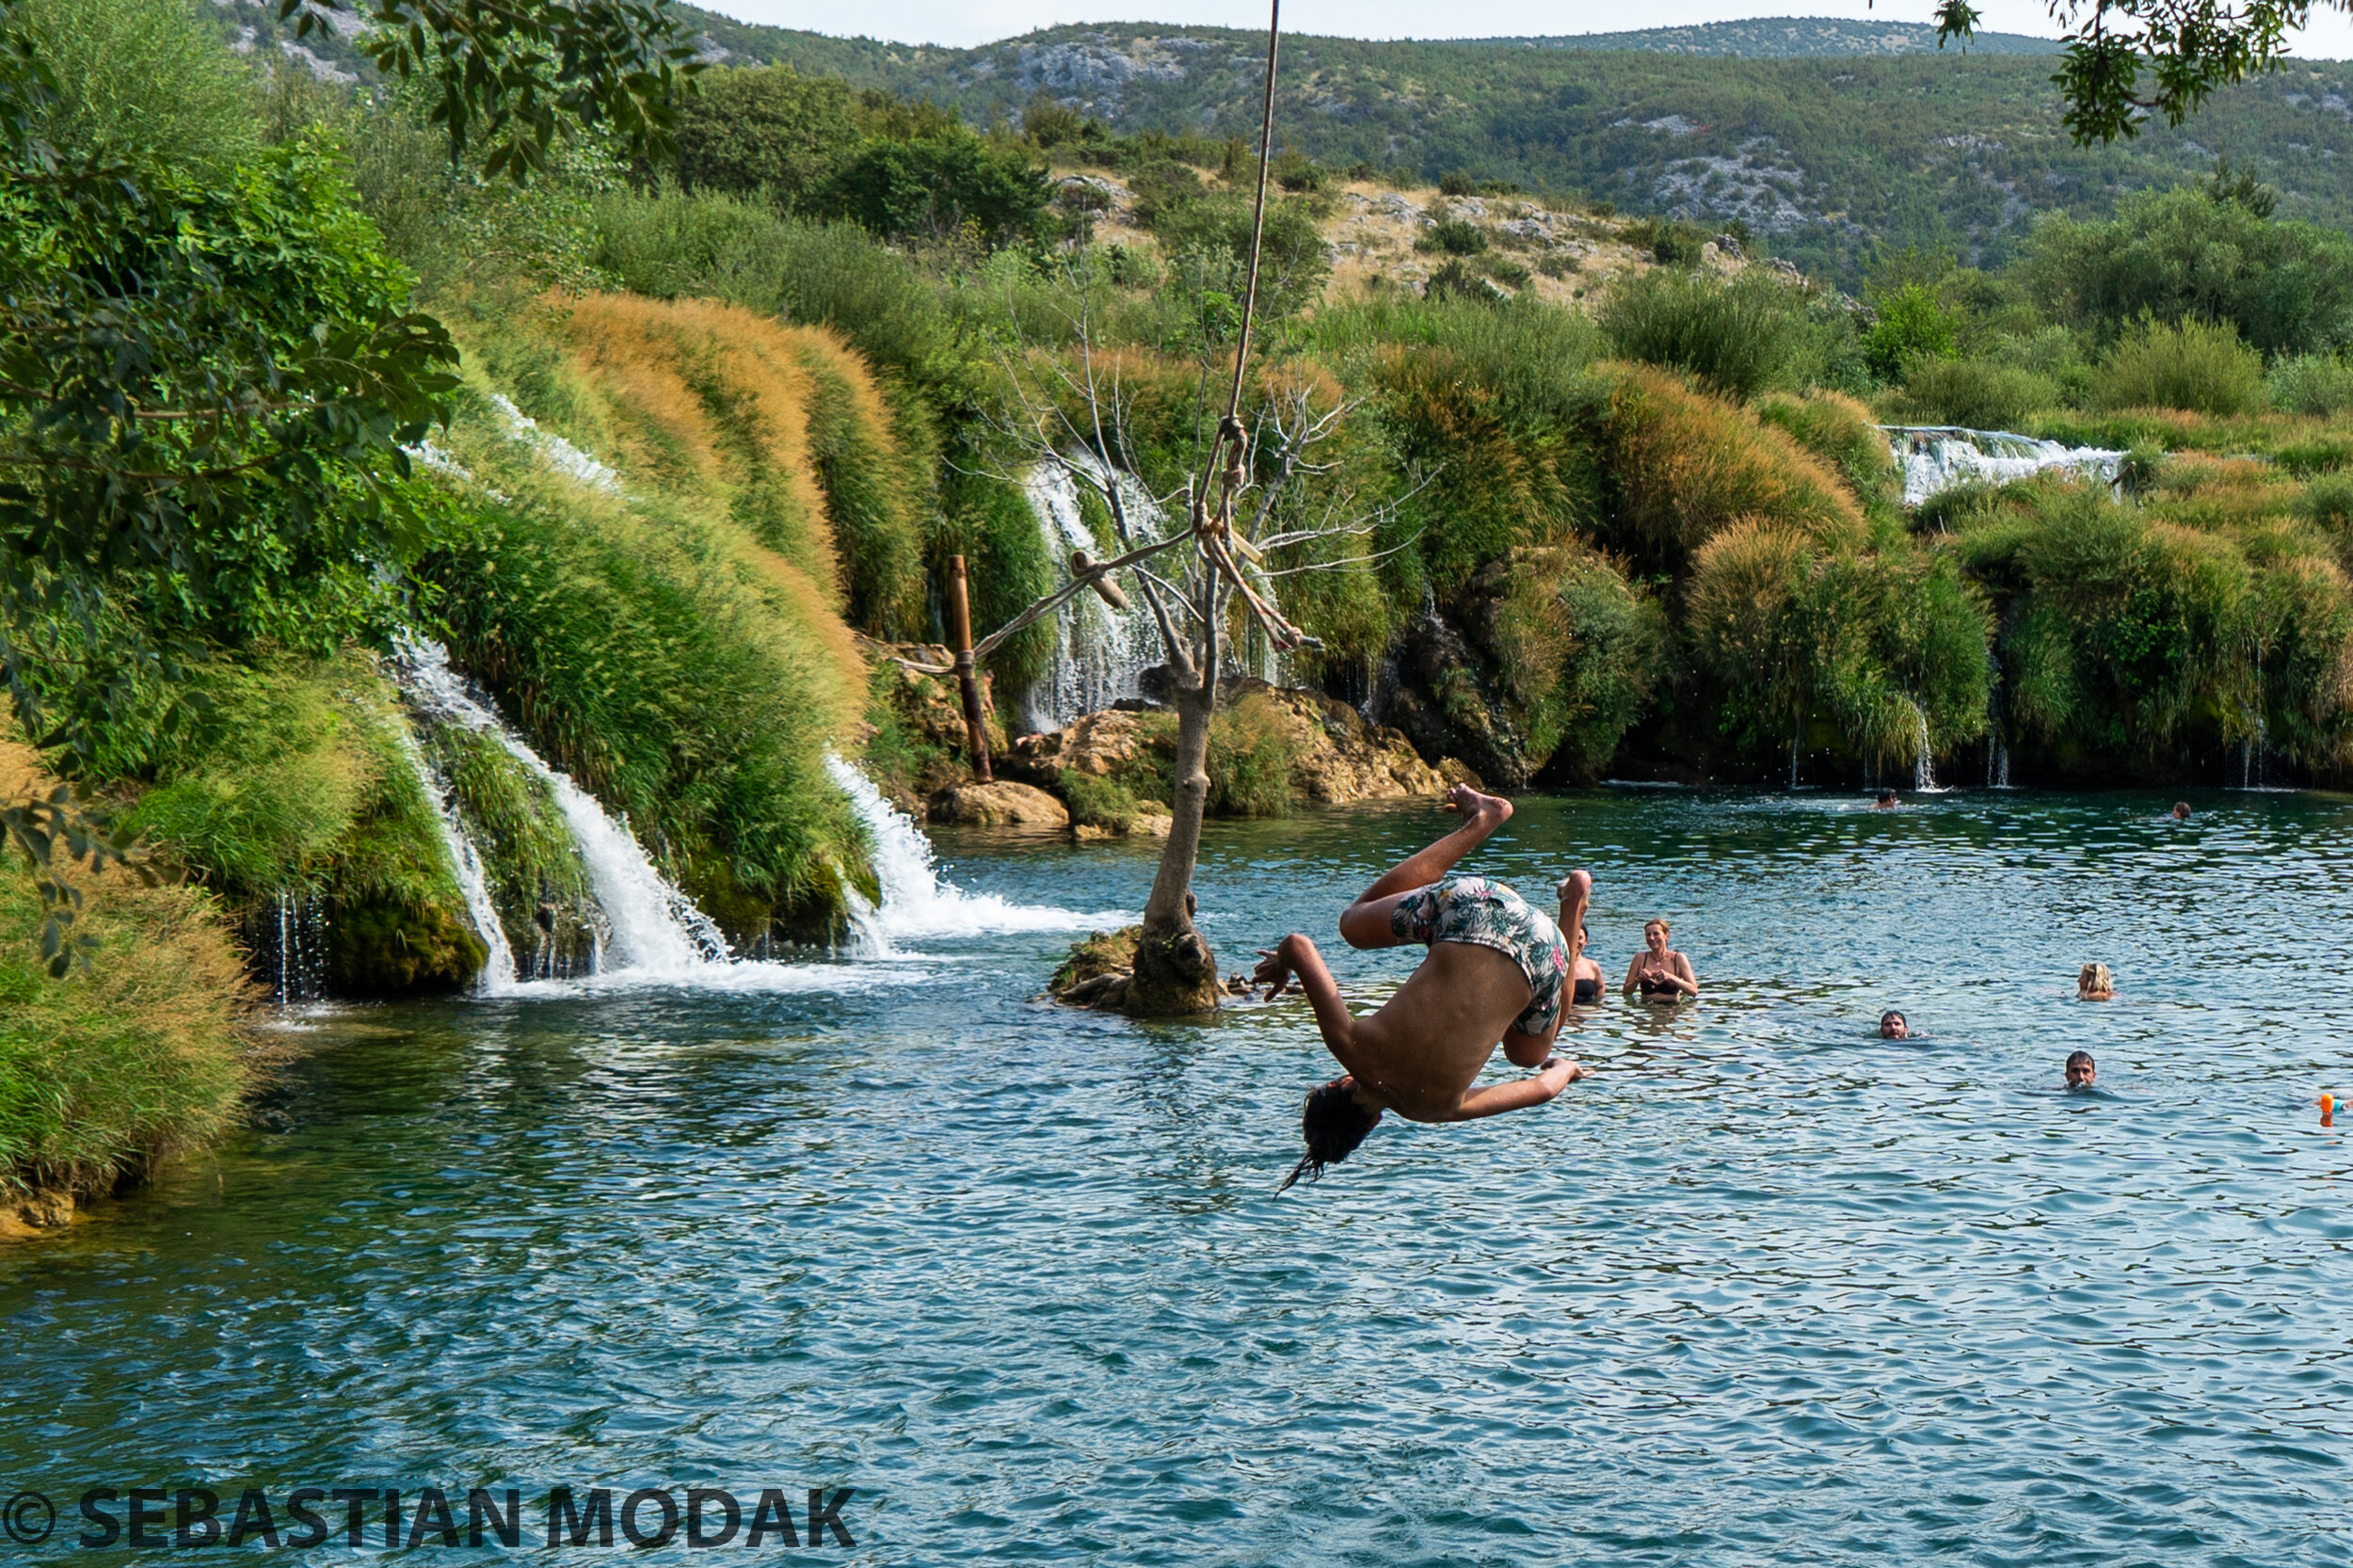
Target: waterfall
column 499, row 971
column 1797, row 737
column 1100, row 654
column 656, row 929
column 292, row 936
column 1936, row 458
column 915, row 901
column 1923, row 755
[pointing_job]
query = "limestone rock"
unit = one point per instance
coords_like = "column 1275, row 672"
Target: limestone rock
column 1004, row 804
column 1105, row 744
column 1338, row 757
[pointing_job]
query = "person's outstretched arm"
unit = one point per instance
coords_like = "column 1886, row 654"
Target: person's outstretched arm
column 1521, row 1094
column 1296, row 955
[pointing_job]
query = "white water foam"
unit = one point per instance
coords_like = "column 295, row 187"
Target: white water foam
column 656, row 928
column 1934, row 459
column 561, row 455
column 915, row 901
column 1100, row 654
column 498, row 969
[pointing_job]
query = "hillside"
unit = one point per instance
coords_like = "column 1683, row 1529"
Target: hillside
column 1775, row 38
column 1828, row 154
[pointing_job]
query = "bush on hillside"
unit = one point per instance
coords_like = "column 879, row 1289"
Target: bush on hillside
column 934, row 186
column 141, row 79
column 2189, row 252
column 1975, row 393
column 1912, row 326
column 1742, row 338
column 1683, row 466
column 767, row 131
column 1841, row 432
column 2316, row 384
column 2194, row 364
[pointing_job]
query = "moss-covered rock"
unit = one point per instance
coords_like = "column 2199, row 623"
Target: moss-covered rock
column 386, row 950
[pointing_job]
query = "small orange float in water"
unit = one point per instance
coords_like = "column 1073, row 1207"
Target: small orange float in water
column 2327, row 1111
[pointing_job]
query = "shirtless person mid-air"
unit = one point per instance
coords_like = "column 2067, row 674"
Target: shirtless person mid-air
column 1497, row 971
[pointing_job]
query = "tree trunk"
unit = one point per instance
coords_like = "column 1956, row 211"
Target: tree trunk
column 1175, row 973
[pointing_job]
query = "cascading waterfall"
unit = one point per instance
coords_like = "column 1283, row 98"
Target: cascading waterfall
column 1100, row 654
column 499, row 970
column 1923, row 756
column 656, row 929
column 915, row 901
column 1936, row 458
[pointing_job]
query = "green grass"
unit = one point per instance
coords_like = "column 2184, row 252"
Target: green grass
column 102, row 1074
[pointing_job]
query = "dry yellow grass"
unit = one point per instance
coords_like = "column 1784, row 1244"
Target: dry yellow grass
column 106, row 1073
column 1688, row 465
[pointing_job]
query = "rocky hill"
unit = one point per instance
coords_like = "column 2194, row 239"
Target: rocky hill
column 1830, row 137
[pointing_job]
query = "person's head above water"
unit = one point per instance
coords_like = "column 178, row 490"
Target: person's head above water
column 2081, row 1069
column 1334, row 1123
column 1886, row 802
column 1655, row 934
column 2180, row 811
column 1893, row 1027
column 2094, row 984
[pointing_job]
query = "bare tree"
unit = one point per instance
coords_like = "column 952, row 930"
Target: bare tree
column 1204, row 556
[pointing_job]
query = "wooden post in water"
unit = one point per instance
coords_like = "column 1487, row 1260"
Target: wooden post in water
column 969, row 683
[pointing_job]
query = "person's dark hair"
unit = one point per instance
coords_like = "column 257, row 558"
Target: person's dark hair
column 1887, row 797
column 2079, row 1059
column 1332, row 1124
column 1891, row 1015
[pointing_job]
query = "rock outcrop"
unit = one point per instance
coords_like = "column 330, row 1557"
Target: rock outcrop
column 1004, row 804
column 1337, row 757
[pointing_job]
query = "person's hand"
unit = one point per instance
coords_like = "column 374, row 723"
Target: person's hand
column 1272, row 971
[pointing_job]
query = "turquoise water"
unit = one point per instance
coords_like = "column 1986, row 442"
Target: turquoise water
column 1767, row 1290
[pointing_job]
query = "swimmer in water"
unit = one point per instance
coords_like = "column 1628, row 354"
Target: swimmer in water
column 2094, row 984
column 2180, row 811
column 2082, row 1072
column 1659, row 972
column 1497, row 970
column 1886, row 802
column 1590, row 980
column 1893, row 1027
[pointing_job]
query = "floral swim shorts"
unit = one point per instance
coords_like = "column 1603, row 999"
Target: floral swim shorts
column 1489, row 915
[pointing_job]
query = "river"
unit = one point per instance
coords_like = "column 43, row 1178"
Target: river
column 1764, row 1290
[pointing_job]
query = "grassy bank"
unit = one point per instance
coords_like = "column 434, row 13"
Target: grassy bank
column 106, row 1073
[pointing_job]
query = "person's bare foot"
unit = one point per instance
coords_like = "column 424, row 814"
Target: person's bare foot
column 1492, row 810
column 1577, row 887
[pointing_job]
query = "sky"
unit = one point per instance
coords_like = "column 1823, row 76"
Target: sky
column 963, row 23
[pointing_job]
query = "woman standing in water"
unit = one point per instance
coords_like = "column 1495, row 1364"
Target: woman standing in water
column 1497, row 970
column 1659, row 972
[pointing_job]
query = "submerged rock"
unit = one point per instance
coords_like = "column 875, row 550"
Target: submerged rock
column 1004, row 804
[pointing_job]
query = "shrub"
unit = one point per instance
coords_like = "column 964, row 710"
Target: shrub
column 2194, row 364
column 1684, row 466
column 1840, row 431
column 1742, row 338
column 1094, row 802
column 931, row 186
column 2191, row 252
column 2319, row 384
column 1913, row 325
column 104, row 1074
column 1672, row 241
column 1456, row 182
column 1251, row 752
column 1581, row 647
column 767, row 131
column 141, row 78
column 1455, row 237
column 1972, row 393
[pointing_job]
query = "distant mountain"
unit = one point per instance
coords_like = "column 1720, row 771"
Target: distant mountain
column 1830, row 137
column 1781, row 38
